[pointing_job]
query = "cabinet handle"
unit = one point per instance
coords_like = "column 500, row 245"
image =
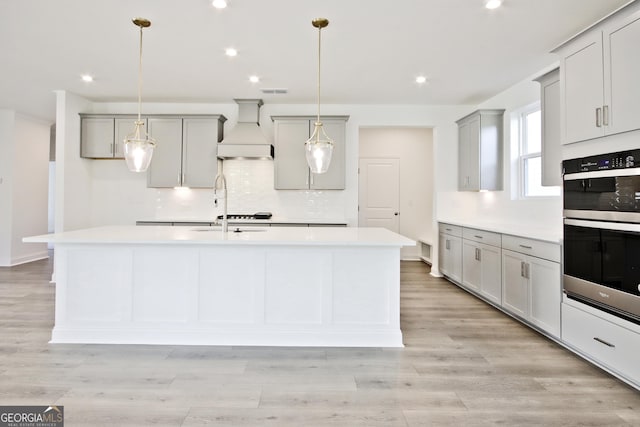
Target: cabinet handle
column 605, row 115
column 448, row 229
column 447, row 245
column 478, row 255
column 111, row 149
column 527, row 272
column 526, row 247
column 598, row 117
column 477, row 237
column 601, row 341
column 524, row 269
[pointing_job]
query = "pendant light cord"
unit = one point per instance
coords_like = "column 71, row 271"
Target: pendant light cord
column 319, row 37
column 140, row 77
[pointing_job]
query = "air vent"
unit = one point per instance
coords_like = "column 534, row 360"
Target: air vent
column 274, row 91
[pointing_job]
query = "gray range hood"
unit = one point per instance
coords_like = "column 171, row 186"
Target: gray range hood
column 246, row 140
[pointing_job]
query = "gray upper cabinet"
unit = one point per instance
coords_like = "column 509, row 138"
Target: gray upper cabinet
column 480, row 151
column 102, row 136
column 186, row 151
column 290, row 164
column 551, row 132
column 599, row 70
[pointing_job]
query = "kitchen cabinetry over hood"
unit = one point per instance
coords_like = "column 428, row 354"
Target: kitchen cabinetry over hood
column 246, row 140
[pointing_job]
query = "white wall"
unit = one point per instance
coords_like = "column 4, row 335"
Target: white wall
column 7, row 119
column 500, row 206
column 113, row 195
column 30, row 188
column 414, row 149
column 73, row 174
column 24, row 159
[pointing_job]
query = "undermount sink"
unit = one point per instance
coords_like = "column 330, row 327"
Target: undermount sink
column 218, row 228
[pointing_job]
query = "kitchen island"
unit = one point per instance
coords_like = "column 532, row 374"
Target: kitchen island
column 200, row 286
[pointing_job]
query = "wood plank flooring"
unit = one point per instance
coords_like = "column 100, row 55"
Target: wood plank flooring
column 464, row 364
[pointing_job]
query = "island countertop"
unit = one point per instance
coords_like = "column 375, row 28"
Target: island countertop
column 300, row 286
column 308, row 236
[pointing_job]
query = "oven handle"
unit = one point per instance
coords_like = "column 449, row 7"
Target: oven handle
column 601, row 174
column 617, row 226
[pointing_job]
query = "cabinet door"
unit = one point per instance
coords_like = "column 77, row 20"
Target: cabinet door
column 451, row 256
column 546, row 295
column 583, row 90
column 290, row 164
column 199, row 152
column 124, row 126
column 165, row 170
column 471, row 265
column 515, row 289
column 551, row 130
column 97, row 138
column 333, row 179
column 491, row 274
column 469, row 155
column 622, row 68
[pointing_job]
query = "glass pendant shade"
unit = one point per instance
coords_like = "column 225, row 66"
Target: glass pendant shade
column 138, row 149
column 318, row 149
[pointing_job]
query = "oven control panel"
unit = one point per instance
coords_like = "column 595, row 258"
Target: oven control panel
column 619, row 160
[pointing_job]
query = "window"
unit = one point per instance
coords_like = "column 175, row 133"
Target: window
column 530, row 159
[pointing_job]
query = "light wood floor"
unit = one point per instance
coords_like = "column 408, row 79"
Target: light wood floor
column 464, row 364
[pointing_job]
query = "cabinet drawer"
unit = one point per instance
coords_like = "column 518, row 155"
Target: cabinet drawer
column 609, row 344
column 482, row 236
column 452, row 230
column 537, row 248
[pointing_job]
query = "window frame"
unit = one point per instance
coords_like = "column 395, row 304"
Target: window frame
column 522, row 158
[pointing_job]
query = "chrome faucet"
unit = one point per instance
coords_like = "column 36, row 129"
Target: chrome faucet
column 220, row 178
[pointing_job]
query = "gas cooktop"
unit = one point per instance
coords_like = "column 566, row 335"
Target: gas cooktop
column 257, row 215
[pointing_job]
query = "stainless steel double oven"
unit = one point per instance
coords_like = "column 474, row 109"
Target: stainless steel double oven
column 602, row 232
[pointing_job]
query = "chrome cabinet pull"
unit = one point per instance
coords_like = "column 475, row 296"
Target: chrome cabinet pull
column 521, row 268
column 446, row 244
column 605, row 115
column 598, row 117
column 477, row 237
column 601, row 341
column 526, row 247
column 478, row 254
column 527, row 271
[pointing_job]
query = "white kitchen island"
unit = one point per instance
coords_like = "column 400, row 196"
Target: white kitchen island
column 197, row 285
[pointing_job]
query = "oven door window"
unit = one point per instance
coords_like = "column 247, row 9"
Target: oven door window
column 621, row 261
column 582, row 253
column 606, row 257
column 620, row 194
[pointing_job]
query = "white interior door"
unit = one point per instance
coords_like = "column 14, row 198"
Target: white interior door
column 379, row 193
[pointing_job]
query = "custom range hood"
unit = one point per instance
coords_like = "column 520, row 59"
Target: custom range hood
column 246, row 140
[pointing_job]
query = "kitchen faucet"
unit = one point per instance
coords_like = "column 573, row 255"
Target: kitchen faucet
column 223, row 181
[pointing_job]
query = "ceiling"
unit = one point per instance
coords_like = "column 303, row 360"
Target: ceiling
column 371, row 51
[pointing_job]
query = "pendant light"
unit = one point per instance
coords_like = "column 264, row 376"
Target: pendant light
column 138, row 146
column 319, row 147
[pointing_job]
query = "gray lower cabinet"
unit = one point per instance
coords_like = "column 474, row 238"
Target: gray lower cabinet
column 101, row 137
column 450, row 251
column 290, row 164
column 480, row 151
column 531, row 282
column 519, row 275
column 481, row 263
column 186, row 151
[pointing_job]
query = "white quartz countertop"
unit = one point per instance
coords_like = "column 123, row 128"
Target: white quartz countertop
column 308, row 236
column 272, row 220
column 552, row 234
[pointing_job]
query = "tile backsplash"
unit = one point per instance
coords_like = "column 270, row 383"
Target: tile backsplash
column 251, row 189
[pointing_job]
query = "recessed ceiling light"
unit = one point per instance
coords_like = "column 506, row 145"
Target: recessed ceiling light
column 219, row 4
column 231, row 52
column 87, row 78
column 254, row 79
column 492, row 4
column 421, row 80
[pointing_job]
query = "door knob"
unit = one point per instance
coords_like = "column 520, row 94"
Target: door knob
column 396, row 213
